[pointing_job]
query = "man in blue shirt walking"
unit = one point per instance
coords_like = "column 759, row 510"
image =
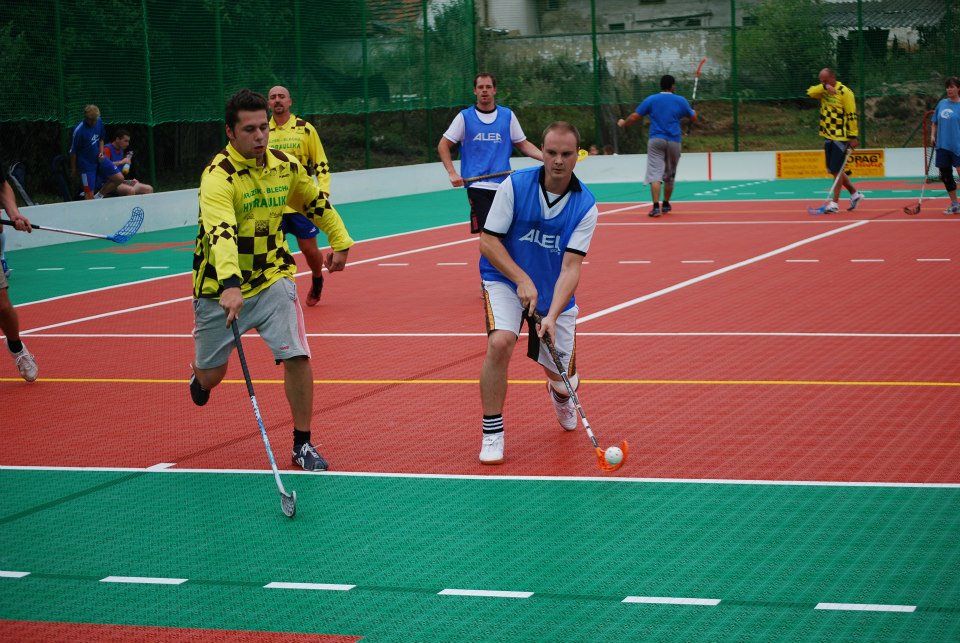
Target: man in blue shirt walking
column 663, row 147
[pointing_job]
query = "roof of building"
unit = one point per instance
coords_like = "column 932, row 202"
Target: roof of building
column 886, row 14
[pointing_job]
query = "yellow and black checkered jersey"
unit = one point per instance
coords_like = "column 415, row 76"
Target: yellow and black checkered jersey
column 838, row 112
column 239, row 239
column 300, row 138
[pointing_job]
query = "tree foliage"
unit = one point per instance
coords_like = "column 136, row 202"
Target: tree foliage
column 782, row 52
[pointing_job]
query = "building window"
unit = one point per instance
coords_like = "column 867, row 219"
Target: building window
column 750, row 21
column 693, row 22
column 617, row 26
column 653, row 1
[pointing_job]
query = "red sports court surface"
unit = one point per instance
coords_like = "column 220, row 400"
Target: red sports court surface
column 727, row 340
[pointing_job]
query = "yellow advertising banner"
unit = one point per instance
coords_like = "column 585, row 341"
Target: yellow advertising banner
column 810, row 165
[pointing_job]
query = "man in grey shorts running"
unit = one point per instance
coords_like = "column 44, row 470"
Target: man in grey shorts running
column 663, row 147
column 242, row 267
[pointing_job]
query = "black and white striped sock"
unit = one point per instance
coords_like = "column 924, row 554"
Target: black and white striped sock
column 492, row 424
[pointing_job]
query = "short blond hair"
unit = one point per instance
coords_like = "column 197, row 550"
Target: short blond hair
column 91, row 111
column 562, row 127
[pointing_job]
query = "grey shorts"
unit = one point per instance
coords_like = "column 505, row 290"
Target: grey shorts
column 276, row 314
column 662, row 159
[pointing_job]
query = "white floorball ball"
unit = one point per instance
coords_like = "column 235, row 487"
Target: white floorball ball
column 613, row 455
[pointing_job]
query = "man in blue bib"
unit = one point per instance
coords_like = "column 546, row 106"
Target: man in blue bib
column 532, row 246
column 486, row 134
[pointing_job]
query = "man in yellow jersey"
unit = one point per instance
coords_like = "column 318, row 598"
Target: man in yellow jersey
column 299, row 138
column 242, row 261
column 839, row 128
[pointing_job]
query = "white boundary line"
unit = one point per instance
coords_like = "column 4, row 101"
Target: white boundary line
column 480, row 334
column 865, row 607
column 718, row 272
column 472, row 239
column 143, row 580
column 325, row 587
column 485, row 593
column 450, row 476
column 669, row 600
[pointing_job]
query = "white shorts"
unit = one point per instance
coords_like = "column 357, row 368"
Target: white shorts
column 276, row 314
column 504, row 312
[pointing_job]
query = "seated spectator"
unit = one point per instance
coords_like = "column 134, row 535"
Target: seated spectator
column 608, row 149
column 118, row 154
column 86, row 154
column 594, row 150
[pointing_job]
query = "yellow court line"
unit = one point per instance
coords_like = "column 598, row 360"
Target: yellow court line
column 97, row 380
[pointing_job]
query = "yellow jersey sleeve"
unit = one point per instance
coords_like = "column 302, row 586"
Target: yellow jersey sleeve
column 307, row 197
column 318, row 158
column 216, row 257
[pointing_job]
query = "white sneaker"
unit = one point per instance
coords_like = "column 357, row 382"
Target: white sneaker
column 26, row 364
column 855, row 200
column 491, row 452
column 566, row 411
column 831, row 207
column 953, row 209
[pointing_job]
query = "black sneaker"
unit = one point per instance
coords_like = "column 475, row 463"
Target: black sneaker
column 313, row 297
column 308, row 458
column 666, row 208
column 654, row 212
column 197, row 394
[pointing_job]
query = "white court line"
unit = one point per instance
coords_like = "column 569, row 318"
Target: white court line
column 802, row 260
column 102, row 268
column 472, row 239
column 161, row 466
column 143, row 580
column 48, row 269
column 324, row 587
column 451, row 476
column 630, row 261
column 393, row 264
column 124, row 311
column 154, row 267
column 865, row 607
column 715, row 273
column 669, row 600
column 484, row 593
column 698, row 261
column 452, row 263
column 580, row 333
column 4, row 574
column 933, row 260
column 867, row 260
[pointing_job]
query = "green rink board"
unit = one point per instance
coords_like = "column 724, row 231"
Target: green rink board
column 32, row 280
column 770, row 553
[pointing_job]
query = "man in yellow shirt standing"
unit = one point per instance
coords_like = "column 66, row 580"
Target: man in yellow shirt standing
column 241, row 262
column 299, row 138
column 839, row 128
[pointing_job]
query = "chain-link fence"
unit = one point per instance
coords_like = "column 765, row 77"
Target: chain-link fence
column 382, row 78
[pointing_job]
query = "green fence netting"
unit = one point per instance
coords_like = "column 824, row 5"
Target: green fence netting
column 383, row 77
